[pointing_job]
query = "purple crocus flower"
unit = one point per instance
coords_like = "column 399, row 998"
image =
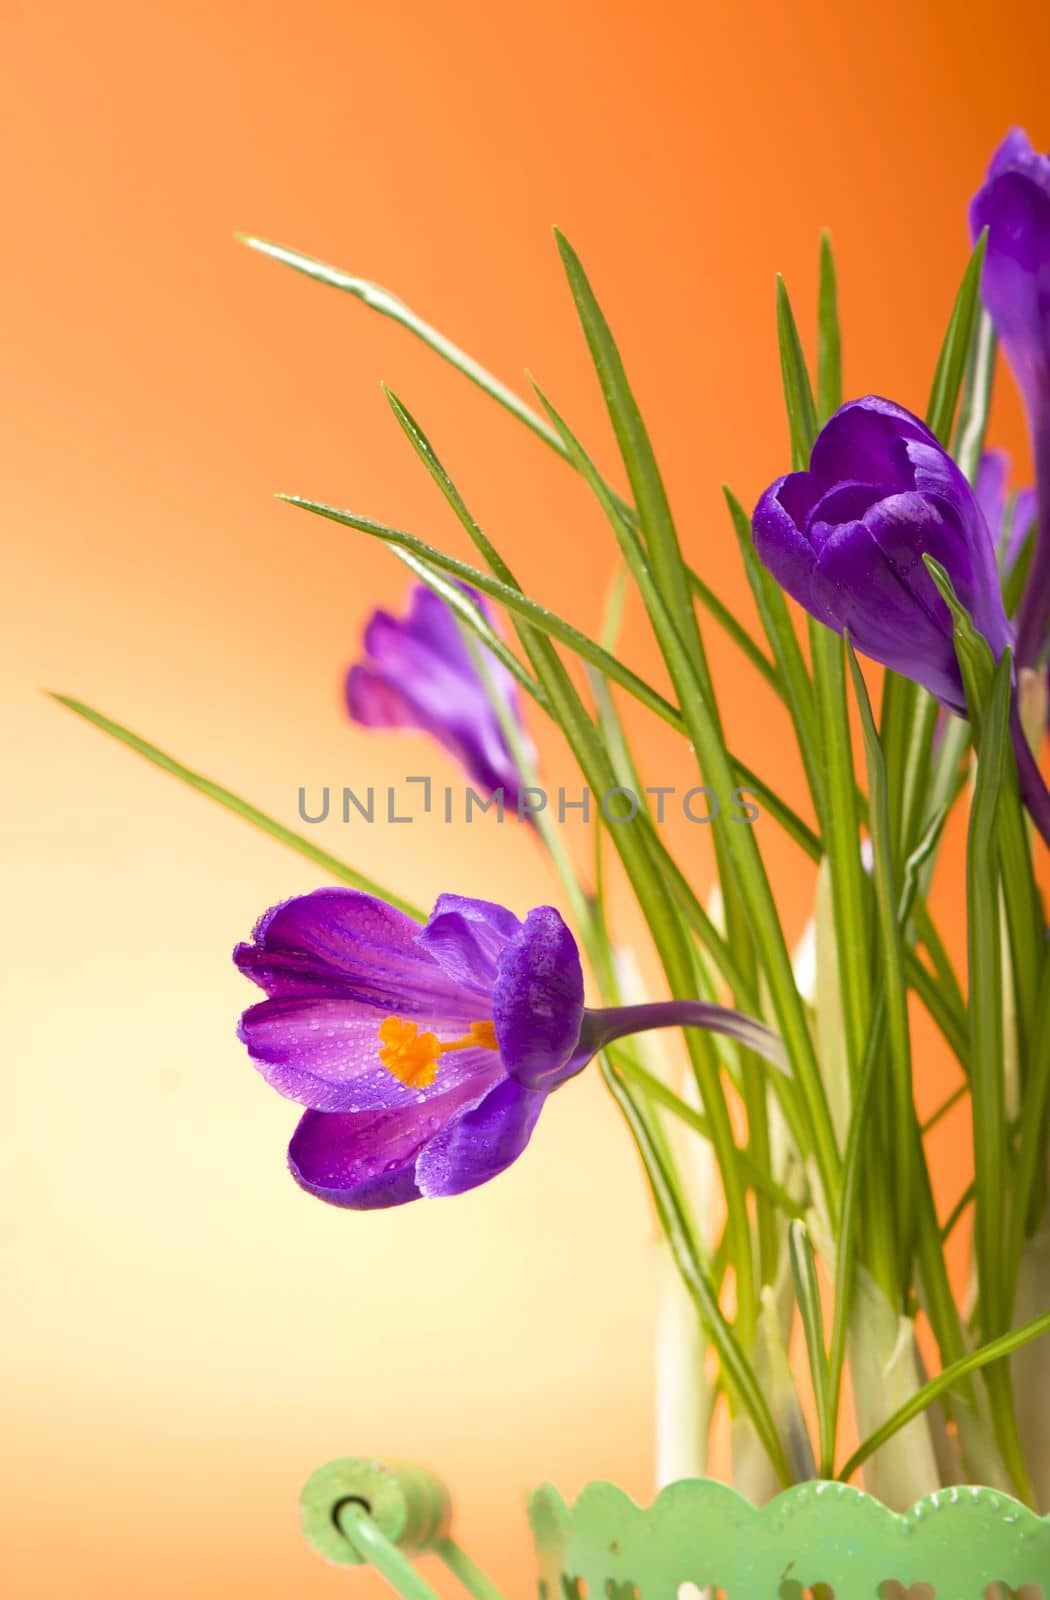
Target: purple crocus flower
column 418, row 673
column 1014, row 206
column 846, row 539
column 990, row 489
column 424, row 1055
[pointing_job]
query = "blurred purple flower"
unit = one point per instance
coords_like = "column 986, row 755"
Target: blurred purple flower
column 418, row 673
column 425, row 1055
column 846, row 539
column 1014, row 205
column 990, row 489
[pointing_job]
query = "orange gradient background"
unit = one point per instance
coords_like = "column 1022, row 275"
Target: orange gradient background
column 186, row 1336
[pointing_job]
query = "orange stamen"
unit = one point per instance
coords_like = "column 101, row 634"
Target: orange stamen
column 412, row 1057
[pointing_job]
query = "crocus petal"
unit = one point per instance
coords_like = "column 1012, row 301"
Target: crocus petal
column 433, row 623
column 467, row 937
column 378, row 702
column 419, row 673
column 1014, row 205
column 368, row 1161
column 862, row 443
column 325, row 1054
column 538, row 1000
column 335, row 963
column 784, row 549
column 323, row 1158
column 481, row 1143
column 353, row 944
column 898, row 631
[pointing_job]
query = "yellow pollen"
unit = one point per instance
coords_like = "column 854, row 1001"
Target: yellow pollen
column 412, row 1057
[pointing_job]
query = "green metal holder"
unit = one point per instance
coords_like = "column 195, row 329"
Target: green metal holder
column 817, row 1541
column 356, row 1511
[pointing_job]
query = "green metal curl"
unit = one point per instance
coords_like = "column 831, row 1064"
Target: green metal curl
column 408, row 1506
column 357, row 1511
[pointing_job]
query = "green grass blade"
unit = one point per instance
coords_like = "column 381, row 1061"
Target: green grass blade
column 840, row 830
column 539, row 617
column 1024, row 911
column 955, row 351
column 829, row 337
column 636, row 451
column 758, row 1177
column 389, row 305
column 991, row 1155
column 977, row 397
column 798, row 392
column 892, row 969
column 846, row 1242
column 240, row 808
column 958, row 1211
column 807, row 1294
column 1031, row 1153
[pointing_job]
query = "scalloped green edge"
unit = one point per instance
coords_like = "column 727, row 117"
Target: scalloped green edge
column 958, row 1541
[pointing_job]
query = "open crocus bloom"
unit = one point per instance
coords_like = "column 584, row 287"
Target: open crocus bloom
column 418, row 673
column 424, row 1055
column 847, row 538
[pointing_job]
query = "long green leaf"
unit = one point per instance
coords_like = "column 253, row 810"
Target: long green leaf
column 241, row 808
column 951, row 363
column 389, row 305
column 758, row 1177
column 829, row 337
column 798, row 391
column 1024, row 911
column 650, row 497
column 845, row 1247
column 1031, row 1153
column 892, row 970
column 991, row 1153
column 986, row 1004
column 807, row 1294
column 977, row 397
